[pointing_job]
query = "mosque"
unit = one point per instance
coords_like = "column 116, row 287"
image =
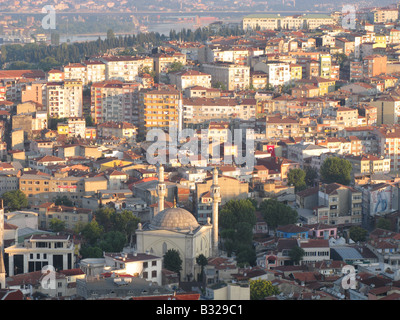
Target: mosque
column 177, row 228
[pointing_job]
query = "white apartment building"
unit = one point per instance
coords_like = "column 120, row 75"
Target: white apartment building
column 64, row 99
column 76, row 127
column 190, row 78
column 276, row 21
column 75, row 71
column 95, row 71
column 125, row 68
column 277, row 73
column 234, row 77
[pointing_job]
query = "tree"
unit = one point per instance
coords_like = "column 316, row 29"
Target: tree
column 15, row 200
column 110, row 34
column 175, row 66
column 276, row 213
column 56, row 225
column 92, row 232
column 296, row 177
column 357, row 234
column 202, row 261
column 296, row 254
column 384, row 223
column 113, row 241
column 260, row 289
column 219, row 85
column 63, row 201
column 236, row 220
column 89, row 121
column 173, row 261
column 311, row 176
column 336, row 170
column 91, row 252
column 126, row 222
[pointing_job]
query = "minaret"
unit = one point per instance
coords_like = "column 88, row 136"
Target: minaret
column 180, row 114
column 161, row 188
column 216, row 198
column 2, row 267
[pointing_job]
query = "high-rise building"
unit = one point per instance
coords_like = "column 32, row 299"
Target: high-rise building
column 64, row 99
column 113, row 100
column 158, row 109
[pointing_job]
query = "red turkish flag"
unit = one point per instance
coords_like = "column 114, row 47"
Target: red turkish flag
column 271, row 150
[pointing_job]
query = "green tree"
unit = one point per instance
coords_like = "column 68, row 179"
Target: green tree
column 105, row 218
column 126, row 222
column 260, row 289
column 276, row 213
column 175, row 66
column 296, row 177
column 357, row 234
column 92, row 232
column 236, row 220
column 219, row 85
column 384, row 223
column 296, row 254
column 336, row 170
column 63, row 201
column 110, row 34
column 89, row 121
column 56, row 225
column 91, row 252
column 15, row 200
column 311, row 176
column 113, row 241
column 173, row 261
column 202, row 261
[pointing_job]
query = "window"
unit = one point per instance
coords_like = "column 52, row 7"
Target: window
column 154, row 274
column 145, row 275
column 154, row 263
column 145, row 264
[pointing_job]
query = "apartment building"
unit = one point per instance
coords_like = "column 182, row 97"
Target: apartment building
column 125, row 68
column 114, row 100
column 199, row 110
column 387, row 109
column 189, row 78
column 281, row 127
column 162, row 62
column 278, row 73
column 158, row 109
column 64, row 99
column 55, row 75
column 76, row 71
column 346, row 117
column 230, row 54
column 368, row 164
column 389, row 145
column 76, row 127
column 374, row 65
column 95, row 71
column 276, row 21
column 34, row 91
column 325, row 66
column 383, row 15
column 231, row 188
column 71, row 216
column 117, row 129
column 44, row 188
column 339, row 204
column 234, row 77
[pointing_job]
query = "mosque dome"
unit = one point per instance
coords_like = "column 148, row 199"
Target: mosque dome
column 174, row 219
